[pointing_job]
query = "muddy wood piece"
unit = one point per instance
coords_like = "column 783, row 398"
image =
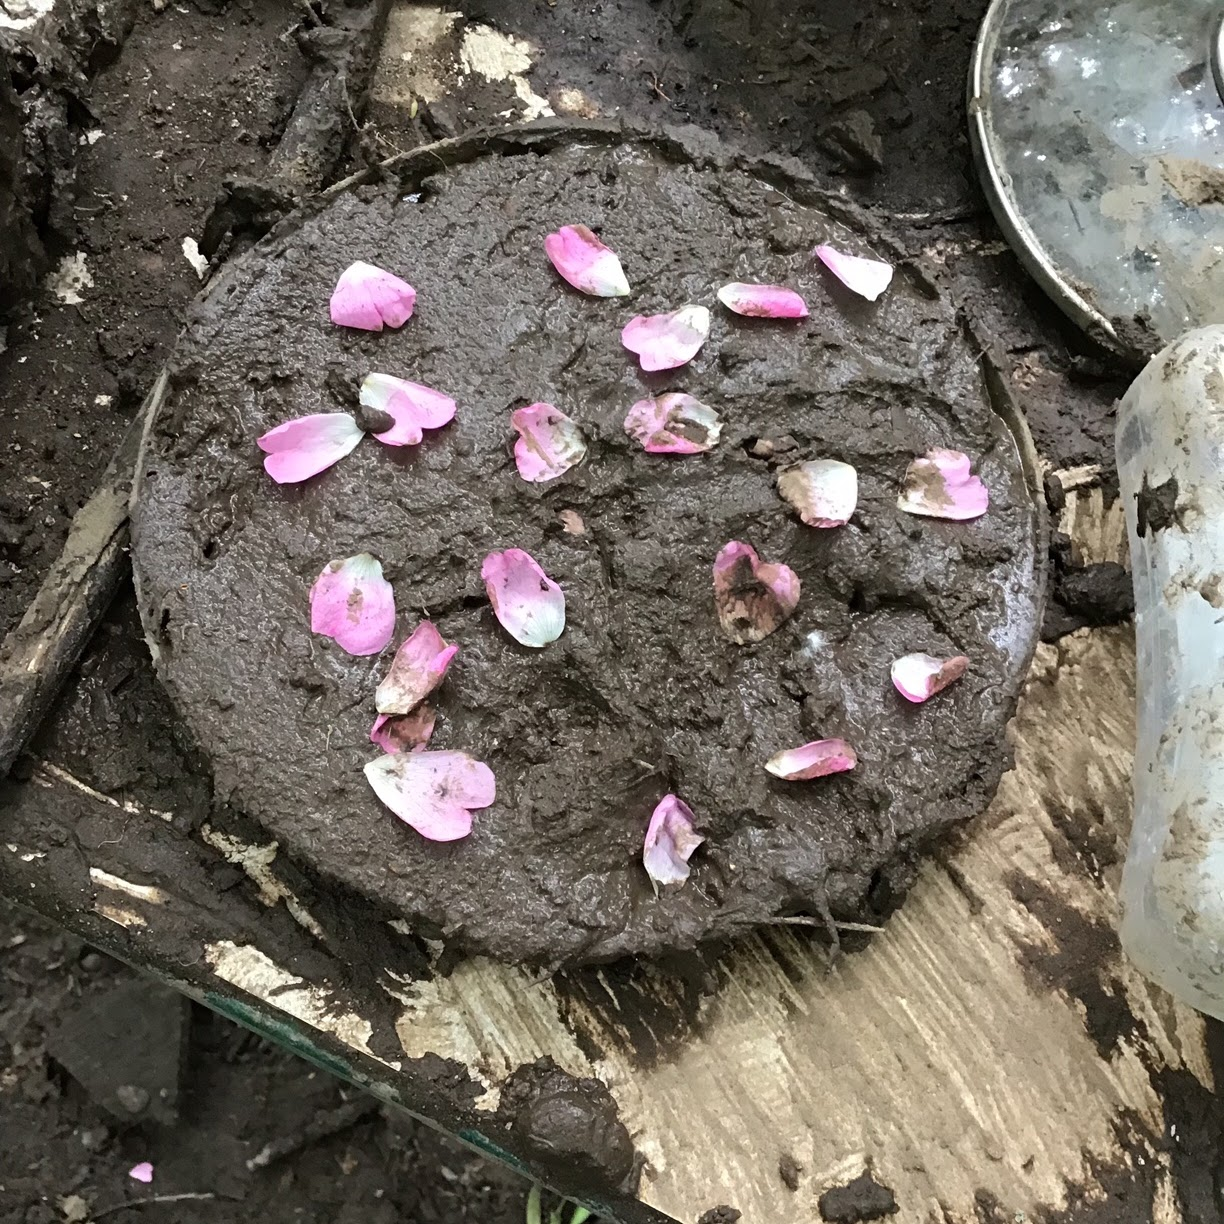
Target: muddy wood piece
column 342, row 43
column 38, row 655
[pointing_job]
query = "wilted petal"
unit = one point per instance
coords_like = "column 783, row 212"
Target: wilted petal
column 417, row 669
column 584, row 261
column 670, row 841
column 919, row 676
column 752, row 598
column 527, row 602
column 665, row 341
column 549, row 443
column 940, row 485
column 434, row 792
column 353, row 603
column 367, row 297
column 823, row 491
column 673, row 424
column 404, row 732
column 866, row 277
column 814, row 760
column 413, row 406
column 142, row 1172
column 308, row 445
column 763, row 301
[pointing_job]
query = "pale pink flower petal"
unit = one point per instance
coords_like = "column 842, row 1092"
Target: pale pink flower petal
column 527, row 602
column 665, row 341
column 413, row 406
column 670, row 842
column 940, row 485
column 302, row 448
column 584, row 261
column 823, row 491
column 549, row 443
column 417, row 669
column 142, row 1172
column 367, row 297
column 866, row 277
column 434, row 792
column 763, row 301
column 353, row 603
column 404, row 732
column 673, row 424
column 752, row 598
column 919, row 676
column 814, row 760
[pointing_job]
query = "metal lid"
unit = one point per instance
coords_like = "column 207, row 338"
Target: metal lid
column 1099, row 133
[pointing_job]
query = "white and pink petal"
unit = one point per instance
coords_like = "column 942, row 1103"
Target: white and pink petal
column 824, row 492
column 417, row 669
column 299, row 449
column 369, row 298
column 582, row 259
column 673, row 424
column 548, row 445
column 666, row 341
column 529, row 605
column 816, row 759
column 434, row 792
column 752, row 597
column 866, row 277
column 352, row 603
column 919, row 676
column 404, row 732
column 412, row 406
column 763, row 301
column 941, row 485
column 670, row 841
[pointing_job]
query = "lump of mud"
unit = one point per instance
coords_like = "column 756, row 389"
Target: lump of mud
column 642, row 695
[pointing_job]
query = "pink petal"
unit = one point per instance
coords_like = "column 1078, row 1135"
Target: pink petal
column 814, row 760
column 367, row 297
column 527, row 602
column 823, row 491
column 866, row 277
column 142, row 1172
column 665, row 341
column 549, row 443
column 306, row 446
column 585, row 262
column 670, row 841
column 415, row 407
column 752, row 598
column 404, row 732
column 417, row 669
column 763, row 301
column 434, row 792
column 353, row 603
column 919, row 676
column 673, row 424
column 940, row 485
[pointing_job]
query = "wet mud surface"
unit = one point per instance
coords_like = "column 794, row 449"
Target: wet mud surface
column 642, row 695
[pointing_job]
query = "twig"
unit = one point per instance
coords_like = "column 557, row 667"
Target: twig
column 820, row 922
column 194, row 1196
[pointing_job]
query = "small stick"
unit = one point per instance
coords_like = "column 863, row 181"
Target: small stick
column 194, row 1196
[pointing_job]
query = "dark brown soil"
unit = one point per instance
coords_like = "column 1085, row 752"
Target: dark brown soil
column 643, row 695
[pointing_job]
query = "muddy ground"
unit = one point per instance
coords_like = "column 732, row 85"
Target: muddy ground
column 870, row 94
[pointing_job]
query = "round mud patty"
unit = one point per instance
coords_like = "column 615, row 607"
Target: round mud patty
column 643, row 694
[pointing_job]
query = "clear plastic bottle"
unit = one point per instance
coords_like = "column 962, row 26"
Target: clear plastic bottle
column 1170, row 448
